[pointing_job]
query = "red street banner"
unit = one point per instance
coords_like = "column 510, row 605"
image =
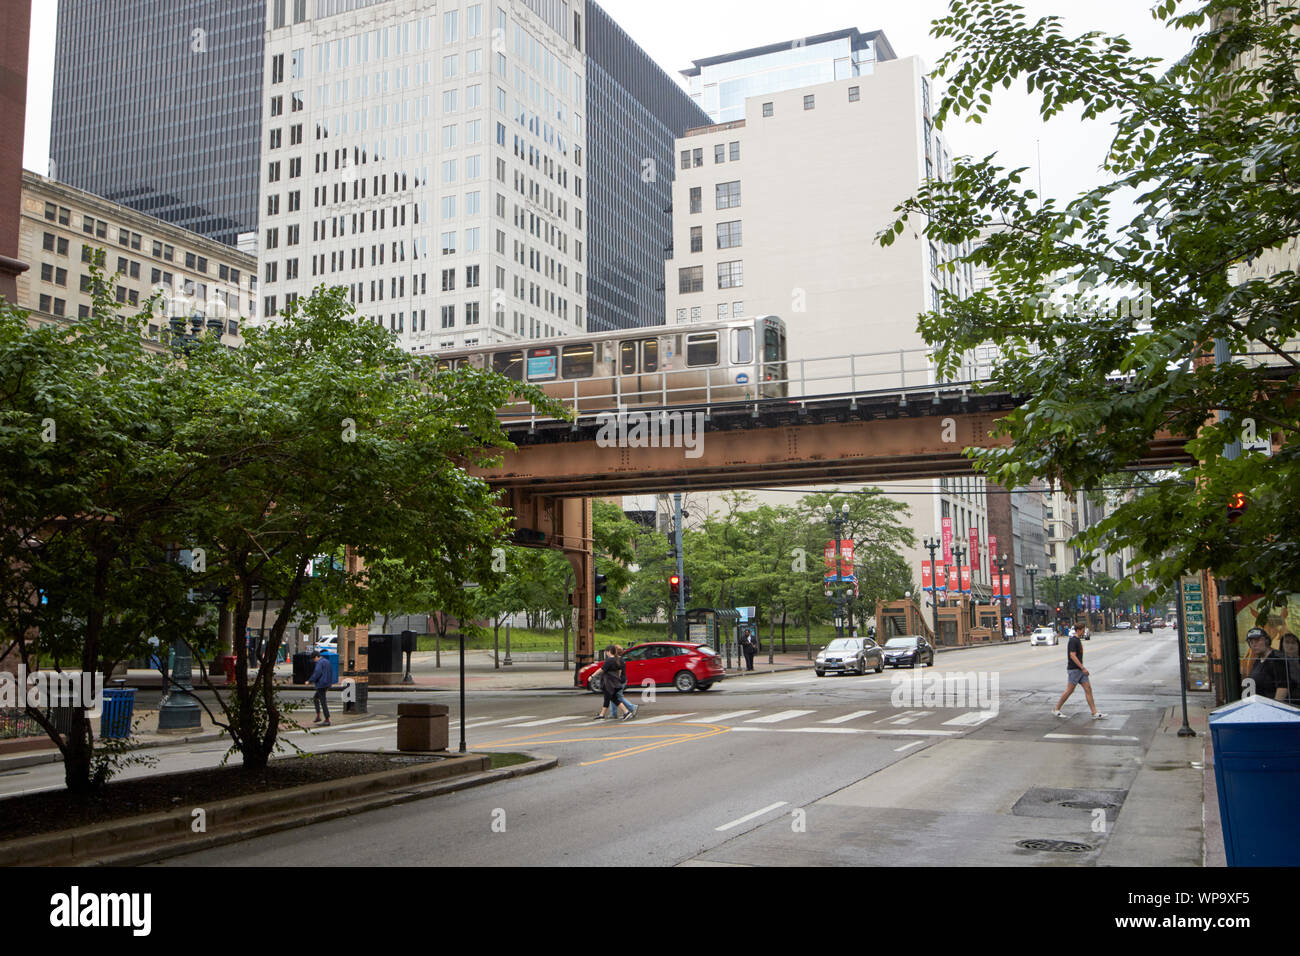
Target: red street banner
column 997, row 586
column 846, row 557
column 940, row 576
column 954, row 578
column 965, row 578
column 925, row 575
column 1006, row 585
column 974, row 548
column 947, row 541
column 993, row 558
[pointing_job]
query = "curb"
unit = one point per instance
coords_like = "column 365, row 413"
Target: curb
column 322, row 814
column 239, row 816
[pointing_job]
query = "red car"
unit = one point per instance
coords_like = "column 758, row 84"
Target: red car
column 686, row 666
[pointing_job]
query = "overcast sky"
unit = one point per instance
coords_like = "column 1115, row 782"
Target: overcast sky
column 675, row 32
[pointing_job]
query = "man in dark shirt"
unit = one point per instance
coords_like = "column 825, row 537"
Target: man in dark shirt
column 1268, row 676
column 1077, row 674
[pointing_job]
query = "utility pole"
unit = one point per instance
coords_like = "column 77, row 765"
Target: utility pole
column 681, row 572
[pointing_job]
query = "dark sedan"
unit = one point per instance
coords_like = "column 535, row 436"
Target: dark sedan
column 908, row 652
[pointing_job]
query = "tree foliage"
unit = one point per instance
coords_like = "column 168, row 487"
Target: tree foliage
column 1108, row 309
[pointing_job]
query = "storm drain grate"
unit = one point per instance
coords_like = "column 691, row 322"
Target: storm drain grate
column 1054, row 846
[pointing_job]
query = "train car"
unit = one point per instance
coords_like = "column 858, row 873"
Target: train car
column 730, row 361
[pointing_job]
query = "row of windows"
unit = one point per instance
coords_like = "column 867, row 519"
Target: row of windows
column 728, row 234
column 721, row 152
column 725, row 196
column 731, row 275
column 125, row 238
column 726, row 310
column 810, row 101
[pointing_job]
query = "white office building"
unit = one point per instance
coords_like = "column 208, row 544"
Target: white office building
column 428, row 157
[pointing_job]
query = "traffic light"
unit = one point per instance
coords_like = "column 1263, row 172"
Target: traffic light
column 1236, row 505
column 674, row 588
column 599, row 589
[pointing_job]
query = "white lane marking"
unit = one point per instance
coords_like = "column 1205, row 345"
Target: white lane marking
column 472, row 724
column 721, row 717
column 875, row 731
column 1086, row 737
column 971, row 718
column 750, row 816
column 911, row 717
column 665, row 718
column 777, row 718
column 548, row 720
column 359, row 740
column 847, row 717
column 914, row 743
column 370, row 727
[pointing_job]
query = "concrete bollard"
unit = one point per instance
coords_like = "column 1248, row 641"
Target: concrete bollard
column 422, row 727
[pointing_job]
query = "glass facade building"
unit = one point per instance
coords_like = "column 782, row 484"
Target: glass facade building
column 635, row 112
column 720, row 84
column 157, row 107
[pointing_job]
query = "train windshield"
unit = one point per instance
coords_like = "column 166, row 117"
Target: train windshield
column 509, row 364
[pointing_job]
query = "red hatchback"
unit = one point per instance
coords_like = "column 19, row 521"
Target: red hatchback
column 686, row 666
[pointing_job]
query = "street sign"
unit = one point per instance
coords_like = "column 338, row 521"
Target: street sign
column 1194, row 617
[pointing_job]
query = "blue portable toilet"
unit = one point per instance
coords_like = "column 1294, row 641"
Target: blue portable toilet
column 1257, row 773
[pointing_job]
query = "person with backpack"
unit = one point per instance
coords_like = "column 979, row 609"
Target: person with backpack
column 322, row 678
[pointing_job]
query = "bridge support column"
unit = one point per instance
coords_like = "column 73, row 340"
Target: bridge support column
column 576, row 540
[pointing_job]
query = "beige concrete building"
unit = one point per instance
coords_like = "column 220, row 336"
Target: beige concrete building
column 777, row 212
column 63, row 230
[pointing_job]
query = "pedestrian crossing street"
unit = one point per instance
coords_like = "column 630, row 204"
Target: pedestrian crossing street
column 887, row 721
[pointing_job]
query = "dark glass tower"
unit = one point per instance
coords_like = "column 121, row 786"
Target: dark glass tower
column 157, row 106
column 635, row 111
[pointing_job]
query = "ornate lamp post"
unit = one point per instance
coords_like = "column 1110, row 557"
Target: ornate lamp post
column 1032, row 571
column 1003, row 597
column 837, row 519
column 932, row 545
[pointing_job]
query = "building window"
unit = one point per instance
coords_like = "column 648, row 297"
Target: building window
column 697, row 199
column 735, row 151
column 690, row 279
column 767, row 109
column 729, row 234
column 686, row 164
column 731, row 275
column 809, row 101
column 719, row 153
column 277, row 68
column 727, row 195
column 448, row 316
column 697, row 156
column 697, row 238
column 855, row 94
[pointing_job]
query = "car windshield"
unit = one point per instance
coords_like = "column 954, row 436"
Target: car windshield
column 842, row 644
column 901, row 642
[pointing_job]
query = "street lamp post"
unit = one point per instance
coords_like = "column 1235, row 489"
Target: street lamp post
column 837, row 519
column 1002, row 575
column 932, row 545
column 1032, row 571
column 958, row 555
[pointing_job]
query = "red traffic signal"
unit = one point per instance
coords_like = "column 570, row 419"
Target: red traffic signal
column 1236, row 505
column 674, row 587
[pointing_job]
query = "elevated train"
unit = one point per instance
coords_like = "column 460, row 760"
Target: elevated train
column 736, row 360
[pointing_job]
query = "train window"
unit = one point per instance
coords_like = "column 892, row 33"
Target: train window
column 772, row 345
column 649, row 355
column 702, row 349
column 742, row 346
column 627, row 358
column 509, row 364
column 578, row 361
column 542, row 364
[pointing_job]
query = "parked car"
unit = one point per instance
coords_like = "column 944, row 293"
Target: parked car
column 1145, row 627
column 686, row 666
column 1043, row 635
column 1123, row 626
column 327, row 642
column 846, row 655
column 909, row 651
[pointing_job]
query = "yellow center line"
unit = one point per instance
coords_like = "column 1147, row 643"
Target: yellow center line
column 712, row 731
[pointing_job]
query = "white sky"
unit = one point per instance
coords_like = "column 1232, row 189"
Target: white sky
column 675, row 32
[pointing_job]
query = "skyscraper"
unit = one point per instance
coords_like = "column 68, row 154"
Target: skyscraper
column 636, row 112
column 157, row 107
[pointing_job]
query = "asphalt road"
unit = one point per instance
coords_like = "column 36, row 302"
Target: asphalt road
column 780, row 768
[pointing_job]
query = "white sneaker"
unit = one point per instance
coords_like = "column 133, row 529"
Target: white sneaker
column 1057, row 713
column 1099, row 715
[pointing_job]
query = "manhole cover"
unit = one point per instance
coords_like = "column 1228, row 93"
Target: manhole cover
column 1088, row 805
column 1054, row 846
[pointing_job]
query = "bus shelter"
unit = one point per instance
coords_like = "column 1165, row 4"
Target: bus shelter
column 705, row 625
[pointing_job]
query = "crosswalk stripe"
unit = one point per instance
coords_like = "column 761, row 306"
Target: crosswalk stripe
column 730, row 716
column 1086, row 737
column 548, row 720
column 873, row 731
column 970, row 718
column 777, row 718
column 378, row 725
column 473, row 724
column 847, row 717
column 665, row 718
column 909, row 717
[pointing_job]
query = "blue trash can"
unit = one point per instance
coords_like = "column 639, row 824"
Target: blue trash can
column 333, row 658
column 119, row 706
column 1257, row 773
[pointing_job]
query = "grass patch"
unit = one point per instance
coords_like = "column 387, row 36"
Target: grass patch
column 508, row 760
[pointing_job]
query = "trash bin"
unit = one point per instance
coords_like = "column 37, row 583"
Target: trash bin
column 1257, row 773
column 302, row 668
column 333, row 658
column 119, row 705
column 422, row 727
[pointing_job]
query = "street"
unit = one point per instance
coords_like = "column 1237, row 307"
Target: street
column 781, row 769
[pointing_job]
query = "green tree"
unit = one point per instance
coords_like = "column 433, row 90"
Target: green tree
column 1108, row 317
